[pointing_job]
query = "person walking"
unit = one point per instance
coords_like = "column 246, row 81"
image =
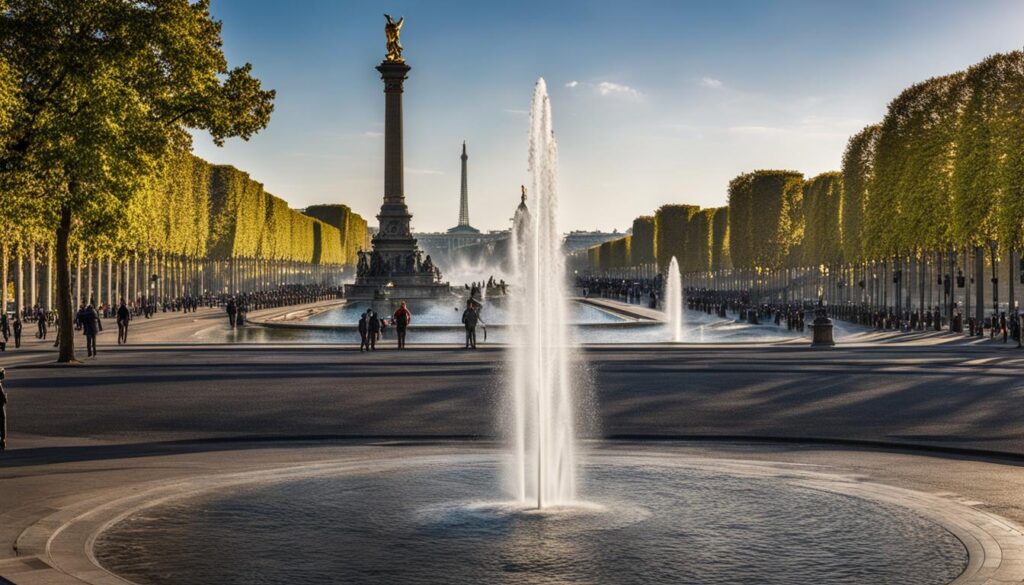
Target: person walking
column 402, row 318
column 40, row 323
column 5, row 326
column 364, row 332
column 1015, row 327
column 232, row 311
column 470, row 317
column 16, row 326
column 1002, row 325
column 3, row 413
column 91, row 327
column 374, row 330
column 123, row 317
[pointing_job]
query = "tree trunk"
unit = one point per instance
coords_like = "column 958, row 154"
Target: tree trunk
column 64, row 307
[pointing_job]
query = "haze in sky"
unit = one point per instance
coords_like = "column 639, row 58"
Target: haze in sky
column 654, row 102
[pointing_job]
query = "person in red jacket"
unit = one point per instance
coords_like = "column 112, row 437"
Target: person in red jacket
column 402, row 318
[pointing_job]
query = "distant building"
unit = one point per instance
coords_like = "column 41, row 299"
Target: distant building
column 581, row 240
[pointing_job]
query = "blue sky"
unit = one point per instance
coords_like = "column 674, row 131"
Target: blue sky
column 654, row 102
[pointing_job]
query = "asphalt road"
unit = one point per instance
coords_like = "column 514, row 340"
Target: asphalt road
column 146, row 394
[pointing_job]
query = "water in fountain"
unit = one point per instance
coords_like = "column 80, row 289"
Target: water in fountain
column 543, row 414
column 674, row 301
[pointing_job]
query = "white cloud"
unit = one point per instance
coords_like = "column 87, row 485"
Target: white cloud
column 572, row 84
column 413, row 171
column 609, row 88
column 372, row 134
column 710, row 82
column 516, row 112
column 759, row 130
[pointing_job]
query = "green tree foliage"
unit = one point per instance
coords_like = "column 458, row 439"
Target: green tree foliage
column 109, row 88
column 858, row 175
column 351, row 226
column 698, row 241
column 670, row 228
column 822, row 242
column 778, row 226
column 642, row 247
column 594, row 257
column 987, row 174
column 913, row 199
column 741, row 220
column 605, row 257
column 721, row 256
column 620, row 252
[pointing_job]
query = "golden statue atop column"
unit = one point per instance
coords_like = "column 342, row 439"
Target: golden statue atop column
column 392, row 30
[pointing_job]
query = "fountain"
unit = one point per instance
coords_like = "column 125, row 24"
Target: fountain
column 543, row 415
column 674, row 301
column 434, row 513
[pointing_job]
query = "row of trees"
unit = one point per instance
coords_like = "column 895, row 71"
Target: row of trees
column 97, row 101
column 193, row 226
column 936, row 187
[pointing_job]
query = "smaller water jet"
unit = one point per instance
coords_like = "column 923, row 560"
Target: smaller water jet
column 674, row 301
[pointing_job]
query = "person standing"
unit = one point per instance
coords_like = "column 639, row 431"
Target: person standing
column 232, row 311
column 469, row 318
column 374, row 330
column 91, row 327
column 364, row 332
column 5, row 326
column 16, row 326
column 123, row 317
column 402, row 319
column 1002, row 325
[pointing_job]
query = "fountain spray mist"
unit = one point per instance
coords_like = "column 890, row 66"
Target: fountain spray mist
column 543, row 427
column 674, row 301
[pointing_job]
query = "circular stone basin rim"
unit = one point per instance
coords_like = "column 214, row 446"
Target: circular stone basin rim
column 65, row 538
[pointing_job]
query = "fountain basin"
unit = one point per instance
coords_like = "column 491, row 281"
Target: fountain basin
column 647, row 516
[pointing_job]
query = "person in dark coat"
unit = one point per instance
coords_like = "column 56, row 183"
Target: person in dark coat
column 5, row 326
column 232, row 311
column 91, row 327
column 364, row 332
column 123, row 317
column 402, row 318
column 3, row 413
column 40, row 323
column 16, row 326
column 374, row 330
column 470, row 317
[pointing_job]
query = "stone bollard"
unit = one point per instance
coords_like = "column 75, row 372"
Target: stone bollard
column 822, row 328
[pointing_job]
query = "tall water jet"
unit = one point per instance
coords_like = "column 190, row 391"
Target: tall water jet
column 674, row 301
column 543, row 427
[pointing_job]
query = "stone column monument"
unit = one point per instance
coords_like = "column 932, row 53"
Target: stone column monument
column 395, row 269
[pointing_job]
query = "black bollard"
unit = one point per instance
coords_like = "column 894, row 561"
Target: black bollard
column 822, row 328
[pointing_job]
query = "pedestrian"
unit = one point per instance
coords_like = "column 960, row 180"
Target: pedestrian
column 374, row 330
column 5, row 326
column 3, row 413
column 364, row 332
column 1015, row 327
column 123, row 317
column 1002, row 325
column 402, row 319
column 469, row 318
column 232, row 311
column 91, row 326
column 40, row 323
column 16, row 326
